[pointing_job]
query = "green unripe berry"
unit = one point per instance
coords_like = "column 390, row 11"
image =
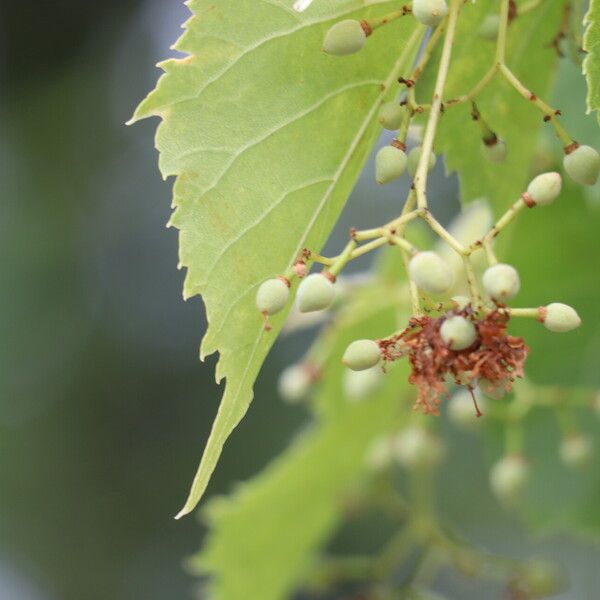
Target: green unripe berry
column 272, row 296
column 490, row 27
column 294, row 383
column 495, row 152
column 415, row 448
column 458, row 333
column 413, row 160
column 361, row 355
column 461, row 410
column 430, row 12
column 391, row 115
column 576, row 450
column 545, row 188
column 345, row 37
column 390, row 163
column 583, row 165
column 508, row 478
column 559, row 317
column 431, row 273
column 541, row 578
column 460, row 302
column 359, row 385
column 316, row 292
column 501, row 282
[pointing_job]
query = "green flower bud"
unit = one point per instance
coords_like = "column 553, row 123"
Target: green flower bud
column 295, row 382
column 316, row 292
column 494, row 152
column 391, row 115
column 545, row 188
column 576, row 450
column 359, row 385
column 460, row 302
column 361, row 355
column 508, row 478
column 501, row 282
column 458, row 333
column 429, row 12
column 559, row 317
column 413, row 160
column 461, row 410
column 583, row 165
column 431, row 273
column 390, row 163
column 272, row 296
column 489, row 28
column 415, row 447
column 345, row 37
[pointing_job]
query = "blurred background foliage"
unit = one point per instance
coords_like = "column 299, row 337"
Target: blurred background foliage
column 104, row 407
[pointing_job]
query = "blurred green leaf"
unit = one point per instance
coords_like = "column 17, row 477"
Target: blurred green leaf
column 591, row 64
column 266, row 136
column 514, row 120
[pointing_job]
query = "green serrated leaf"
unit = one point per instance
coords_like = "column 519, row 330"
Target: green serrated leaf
column 515, row 121
column 264, row 537
column 266, row 136
column 591, row 63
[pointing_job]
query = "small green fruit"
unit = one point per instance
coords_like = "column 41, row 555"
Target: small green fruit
column 576, row 450
column 461, row 410
column 415, row 447
column 429, row 12
column 495, row 152
column 391, row 115
column 541, row 578
column 431, row 273
column 413, row 160
column 316, row 292
column 545, row 188
column 508, row 478
column 272, row 296
column 361, row 355
column 559, row 317
column 390, row 163
column 583, row 165
column 458, row 333
column 345, row 37
column 359, row 385
column 294, row 383
column 501, row 282
column 490, row 27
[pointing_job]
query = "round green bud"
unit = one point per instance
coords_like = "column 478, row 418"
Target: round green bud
column 489, row 28
column 361, row 355
column 429, row 12
column 495, row 391
column 415, row 447
column 294, row 383
column 541, row 578
column 508, row 478
column 501, row 282
column 413, row 160
column 345, row 37
column 272, row 296
column 559, row 317
column 390, row 163
column 545, row 188
column 496, row 152
column 460, row 302
column 391, row 115
column 431, row 273
column 461, row 410
column 458, row 333
column 583, row 165
column 359, row 385
column 576, row 450
column 316, row 292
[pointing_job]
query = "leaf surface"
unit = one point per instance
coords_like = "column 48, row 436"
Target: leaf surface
column 266, row 136
column 591, row 63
